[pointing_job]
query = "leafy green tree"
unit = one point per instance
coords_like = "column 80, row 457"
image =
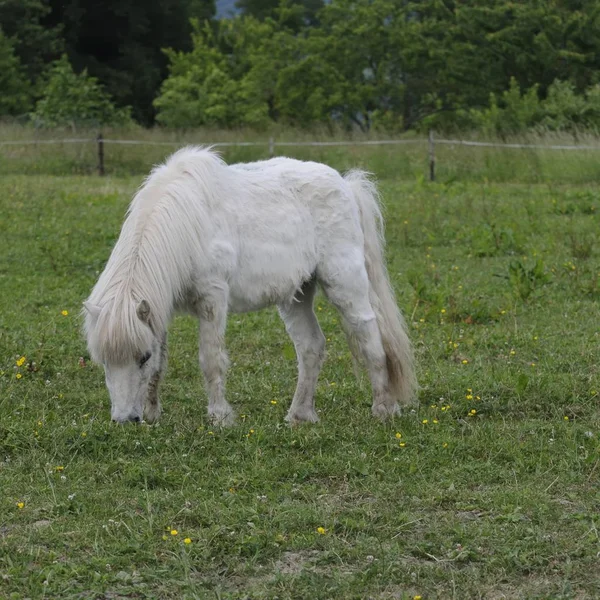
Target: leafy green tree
column 71, row 99
column 391, row 64
column 206, row 87
column 15, row 97
column 35, row 42
column 355, row 41
column 121, row 43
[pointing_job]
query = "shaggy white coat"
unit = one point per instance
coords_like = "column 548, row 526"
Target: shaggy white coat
column 207, row 238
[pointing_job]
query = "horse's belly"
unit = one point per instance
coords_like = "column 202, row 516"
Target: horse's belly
column 271, row 274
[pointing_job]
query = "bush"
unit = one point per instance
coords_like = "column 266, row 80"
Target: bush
column 514, row 111
column 74, row 100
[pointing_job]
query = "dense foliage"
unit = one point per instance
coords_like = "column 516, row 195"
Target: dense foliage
column 70, row 99
column 498, row 65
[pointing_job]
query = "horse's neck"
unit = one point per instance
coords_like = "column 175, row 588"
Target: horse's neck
column 145, row 271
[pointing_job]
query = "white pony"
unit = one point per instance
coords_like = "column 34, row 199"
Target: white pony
column 207, row 238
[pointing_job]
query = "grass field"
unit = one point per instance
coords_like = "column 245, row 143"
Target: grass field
column 489, row 490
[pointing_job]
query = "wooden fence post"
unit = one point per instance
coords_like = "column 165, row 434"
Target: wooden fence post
column 100, row 141
column 431, row 156
column 271, row 146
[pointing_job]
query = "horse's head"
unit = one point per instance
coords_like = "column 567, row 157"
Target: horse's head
column 133, row 372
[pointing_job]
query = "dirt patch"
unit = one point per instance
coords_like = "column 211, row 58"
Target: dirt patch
column 292, row 563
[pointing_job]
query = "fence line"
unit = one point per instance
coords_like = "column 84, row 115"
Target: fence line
column 526, row 146
column 35, row 142
column 274, row 143
column 271, row 143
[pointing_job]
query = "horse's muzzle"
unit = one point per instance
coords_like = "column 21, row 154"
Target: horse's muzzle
column 129, row 419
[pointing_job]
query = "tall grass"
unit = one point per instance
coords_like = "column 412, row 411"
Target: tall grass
column 407, row 162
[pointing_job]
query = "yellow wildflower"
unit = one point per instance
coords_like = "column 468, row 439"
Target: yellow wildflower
column 398, row 435
column 321, row 530
column 402, row 444
column 174, row 532
column 425, row 421
column 187, row 541
column 21, row 361
column 273, row 402
column 18, row 375
column 20, row 505
column 469, row 396
column 465, row 361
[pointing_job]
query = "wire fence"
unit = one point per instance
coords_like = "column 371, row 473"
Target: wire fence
column 431, row 141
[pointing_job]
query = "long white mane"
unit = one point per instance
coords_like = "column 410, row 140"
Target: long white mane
column 151, row 259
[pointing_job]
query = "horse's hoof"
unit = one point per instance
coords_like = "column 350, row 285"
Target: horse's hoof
column 302, row 416
column 385, row 412
column 222, row 418
column 152, row 414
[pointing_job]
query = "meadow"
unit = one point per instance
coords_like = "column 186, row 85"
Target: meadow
column 488, row 490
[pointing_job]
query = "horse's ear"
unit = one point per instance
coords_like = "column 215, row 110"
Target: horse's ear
column 92, row 309
column 143, row 311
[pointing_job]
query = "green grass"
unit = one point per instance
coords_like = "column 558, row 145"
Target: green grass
column 500, row 285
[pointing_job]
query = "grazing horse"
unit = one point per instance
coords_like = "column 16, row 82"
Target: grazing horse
column 207, row 238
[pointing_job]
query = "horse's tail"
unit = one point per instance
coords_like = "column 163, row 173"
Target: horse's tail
column 392, row 327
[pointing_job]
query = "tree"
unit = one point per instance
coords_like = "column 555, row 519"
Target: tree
column 35, row 42
column 120, row 42
column 207, row 87
column 76, row 99
column 15, row 97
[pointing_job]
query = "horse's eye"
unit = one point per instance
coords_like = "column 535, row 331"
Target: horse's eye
column 145, row 359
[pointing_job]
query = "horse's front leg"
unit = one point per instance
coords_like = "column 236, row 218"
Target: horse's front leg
column 212, row 312
column 152, row 409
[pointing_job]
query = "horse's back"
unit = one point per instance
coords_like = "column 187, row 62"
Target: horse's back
column 290, row 215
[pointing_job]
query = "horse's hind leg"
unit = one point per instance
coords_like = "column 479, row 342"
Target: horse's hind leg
column 346, row 283
column 212, row 313
column 309, row 341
